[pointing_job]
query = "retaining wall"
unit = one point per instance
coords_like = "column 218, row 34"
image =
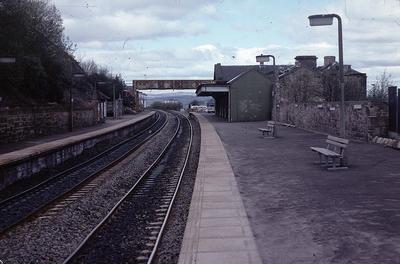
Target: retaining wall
column 17, row 124
column 55, row 153
column 364, row 119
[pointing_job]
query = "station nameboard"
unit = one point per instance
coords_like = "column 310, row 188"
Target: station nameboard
column 168, row 84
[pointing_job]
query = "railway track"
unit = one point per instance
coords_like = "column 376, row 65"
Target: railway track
column 131, row 231
column 18, row 208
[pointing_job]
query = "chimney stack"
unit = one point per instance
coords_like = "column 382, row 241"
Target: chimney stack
column 329, row 60
column 306, row 61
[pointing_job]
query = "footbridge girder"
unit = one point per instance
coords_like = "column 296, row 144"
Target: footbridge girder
column 168, row 84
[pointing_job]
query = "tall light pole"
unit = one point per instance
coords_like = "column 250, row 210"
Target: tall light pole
column 114, row 105
column 71, row 100
column 265, row 58
column 325, row 20
column 104, row 109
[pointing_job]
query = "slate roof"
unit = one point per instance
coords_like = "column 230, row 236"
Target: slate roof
column 347, row 69
column 245, row 72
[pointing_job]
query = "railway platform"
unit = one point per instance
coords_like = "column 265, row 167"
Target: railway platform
column 21, row 160
column 97, row 129
column 217, row 230
column 300, row 212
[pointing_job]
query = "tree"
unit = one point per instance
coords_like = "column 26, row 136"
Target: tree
column 90, row 67
column 195, row 102
column 32, row 32
column 379, row 90
column 167, row 105
column 97, row 73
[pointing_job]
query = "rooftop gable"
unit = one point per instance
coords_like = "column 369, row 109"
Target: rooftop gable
column 225, row 73
column 245, row 73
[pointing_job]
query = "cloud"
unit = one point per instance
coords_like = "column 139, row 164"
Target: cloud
column 371, row 34
column 210, row 9
column 103, row 20
column 123, row 25
column 185, row 38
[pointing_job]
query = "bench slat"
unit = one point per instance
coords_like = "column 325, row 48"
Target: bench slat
column 326, row 152
column 338, row 139
column 336, row 143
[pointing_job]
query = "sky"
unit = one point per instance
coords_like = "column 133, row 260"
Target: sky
column 183, row 39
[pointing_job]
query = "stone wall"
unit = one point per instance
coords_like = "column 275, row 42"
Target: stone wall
column 17, row 124
column 364, row 120
column 70, row 152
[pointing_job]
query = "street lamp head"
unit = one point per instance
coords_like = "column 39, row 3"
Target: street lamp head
column 321, row 20
column 262, row 58
column 101, row 83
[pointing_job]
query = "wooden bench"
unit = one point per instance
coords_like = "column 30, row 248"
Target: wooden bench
column 333, row 152
column 270, row 130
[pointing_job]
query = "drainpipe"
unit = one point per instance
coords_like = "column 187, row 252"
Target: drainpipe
column 229, row 106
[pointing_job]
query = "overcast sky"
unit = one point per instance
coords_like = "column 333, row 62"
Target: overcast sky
column 167, row 39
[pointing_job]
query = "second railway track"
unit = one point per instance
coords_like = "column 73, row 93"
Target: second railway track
column 19, row 207
column 131, row 231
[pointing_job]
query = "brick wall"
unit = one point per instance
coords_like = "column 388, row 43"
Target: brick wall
column 364, row 119
column 18, row 124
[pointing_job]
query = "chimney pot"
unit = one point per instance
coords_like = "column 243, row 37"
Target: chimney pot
column 306, row 61
column 329, row 60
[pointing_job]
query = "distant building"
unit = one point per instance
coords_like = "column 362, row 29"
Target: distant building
column 241, row 93
column 244, row 92
column 305, row 82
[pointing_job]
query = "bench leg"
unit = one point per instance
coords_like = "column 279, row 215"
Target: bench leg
column 268, row 134
column 320, row 159
column 340, row 167
column 333, row 163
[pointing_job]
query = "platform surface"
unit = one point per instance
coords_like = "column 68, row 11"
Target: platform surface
column 21, row 150
column 217, row 230
column 300, row 212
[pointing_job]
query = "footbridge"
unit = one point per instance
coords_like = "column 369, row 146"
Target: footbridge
column 168, row 84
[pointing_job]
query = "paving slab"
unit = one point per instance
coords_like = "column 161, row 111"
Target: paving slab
column 300, row 212
column 217, row 230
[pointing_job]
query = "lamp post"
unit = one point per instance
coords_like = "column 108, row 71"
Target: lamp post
column 325, row 20
column 103, row 107
column 114, row 105
column 265, row 58
column 71, row 100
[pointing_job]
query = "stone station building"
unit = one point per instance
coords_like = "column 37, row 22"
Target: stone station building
column 307, row 96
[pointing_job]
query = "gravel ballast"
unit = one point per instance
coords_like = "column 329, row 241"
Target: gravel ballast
column 52, row 238
column 171, row 242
